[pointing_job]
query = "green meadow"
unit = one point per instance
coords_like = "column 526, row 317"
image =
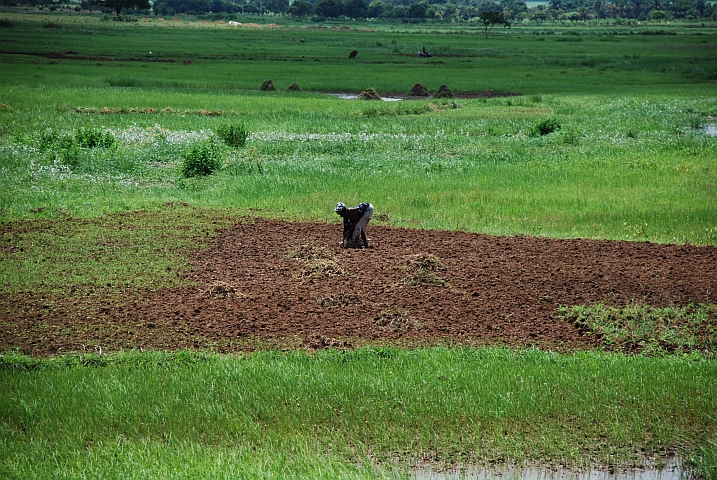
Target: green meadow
column 101, row 117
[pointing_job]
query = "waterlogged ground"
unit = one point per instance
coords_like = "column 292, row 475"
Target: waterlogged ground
column 271, row 283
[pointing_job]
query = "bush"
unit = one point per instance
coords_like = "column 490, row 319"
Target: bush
column 91, row 138
column 202, row 159
column 232, row 135
column 549, row 125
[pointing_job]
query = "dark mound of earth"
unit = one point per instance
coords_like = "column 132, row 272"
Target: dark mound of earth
column 419, row 90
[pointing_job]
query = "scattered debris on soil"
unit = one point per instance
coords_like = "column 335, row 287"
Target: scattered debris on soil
column 396, row 320
column 221, row 289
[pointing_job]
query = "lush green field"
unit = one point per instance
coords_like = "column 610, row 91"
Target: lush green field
column 629, row 161
column 345, row 414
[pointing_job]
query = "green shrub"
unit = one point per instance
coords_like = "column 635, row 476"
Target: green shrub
column 202, row 159
column 544, row 127
column 91, row 138
column 232, row 135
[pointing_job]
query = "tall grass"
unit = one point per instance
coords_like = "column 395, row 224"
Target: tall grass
column 339, row 413
column 629, row 167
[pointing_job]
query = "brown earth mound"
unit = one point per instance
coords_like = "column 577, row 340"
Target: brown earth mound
column 268, row 283
column 369, row 94
column 419, row 90
column 268, row 85
column 444, row 92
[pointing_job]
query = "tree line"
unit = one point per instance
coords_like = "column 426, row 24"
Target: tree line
column 419, row 10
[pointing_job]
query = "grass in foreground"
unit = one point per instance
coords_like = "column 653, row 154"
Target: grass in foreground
column 348, row 414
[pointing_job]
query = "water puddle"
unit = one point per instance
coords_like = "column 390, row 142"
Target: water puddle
column 710, row 129
column 670, row 471
column 351, row 96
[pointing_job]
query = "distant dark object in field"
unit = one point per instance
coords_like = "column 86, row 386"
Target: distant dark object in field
column 303, row 40
column 268, row 86
column 353, row 53
column 293, row 88
column 99, row 64
column 369, row 94
column 419, row 90
column 188, row 62
column 53, row 62
column 443, row 92
column 424, row 54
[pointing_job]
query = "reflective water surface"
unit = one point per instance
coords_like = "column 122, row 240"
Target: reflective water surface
column 350, row 96
column 669, row 471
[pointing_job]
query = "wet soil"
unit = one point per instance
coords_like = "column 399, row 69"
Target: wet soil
column 273, row 284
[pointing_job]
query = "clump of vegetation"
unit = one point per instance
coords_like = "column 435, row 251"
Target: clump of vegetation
column 649, row 330
column 68, row 147
column 91, row 138
column 544, row 127
column 268, row 86
column 232, row 135
column 369, row 94
column 293, row 88
column 50, row 24
column 419, row 90
column 6, row 23
column 202, row 159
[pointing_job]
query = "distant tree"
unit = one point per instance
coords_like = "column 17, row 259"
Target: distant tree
column 512, row 8
column 399, row 11
column 490, row 18
column 377, row 8
column 277, row 6
column 468, row 12
column 701, row 7
column 329, row 8
column 300, row 8
column 118, row 5
column 450, row 12
column 539, row 15
column 417, row 10
column 355, row 9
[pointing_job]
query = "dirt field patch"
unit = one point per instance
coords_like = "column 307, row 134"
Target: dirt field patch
column 267, row 283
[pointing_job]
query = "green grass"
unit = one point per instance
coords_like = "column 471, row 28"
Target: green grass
column 343, row 413
column 135, row 250
column 641, row 328
column 629, row 167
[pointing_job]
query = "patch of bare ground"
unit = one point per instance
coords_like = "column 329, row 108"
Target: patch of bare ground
column 257, row 286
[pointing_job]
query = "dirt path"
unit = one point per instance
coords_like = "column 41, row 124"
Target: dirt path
column 270, row 283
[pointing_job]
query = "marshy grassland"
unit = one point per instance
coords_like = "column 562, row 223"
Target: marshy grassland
column 598, row 133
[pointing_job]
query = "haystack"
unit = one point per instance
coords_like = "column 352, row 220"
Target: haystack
column 444, row 92
column 369, row 94
column 419, row 90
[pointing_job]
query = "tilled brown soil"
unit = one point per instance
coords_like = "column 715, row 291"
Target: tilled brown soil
column 268, row 283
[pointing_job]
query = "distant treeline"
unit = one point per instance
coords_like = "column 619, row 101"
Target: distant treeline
column 419, row 10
